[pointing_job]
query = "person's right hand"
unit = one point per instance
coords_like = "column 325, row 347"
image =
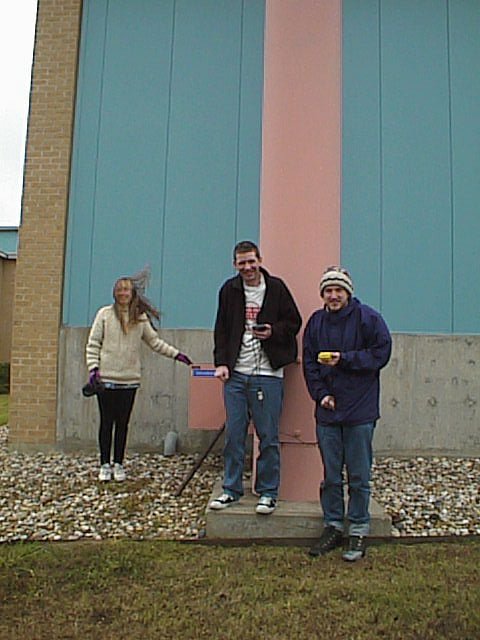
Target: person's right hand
column 94, row 376
column 334, row 360
column 222, row 372
column 328, row 402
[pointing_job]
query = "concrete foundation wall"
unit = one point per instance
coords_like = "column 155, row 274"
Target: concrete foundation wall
column 430, row 396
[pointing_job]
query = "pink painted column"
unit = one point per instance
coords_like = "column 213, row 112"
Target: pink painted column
column 300, row 196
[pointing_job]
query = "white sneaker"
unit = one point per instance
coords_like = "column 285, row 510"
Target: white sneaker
column 119, row 473
column 265, row 505
column 222, row 502
column 105, row 473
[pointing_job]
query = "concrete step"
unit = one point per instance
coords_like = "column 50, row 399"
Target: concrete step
column 290, row 520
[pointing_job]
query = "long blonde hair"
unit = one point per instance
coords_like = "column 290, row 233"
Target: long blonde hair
column 138, row 304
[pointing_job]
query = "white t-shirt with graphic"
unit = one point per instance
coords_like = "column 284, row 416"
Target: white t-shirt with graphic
column 252, row 359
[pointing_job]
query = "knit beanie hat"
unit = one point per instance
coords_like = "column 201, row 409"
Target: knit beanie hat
column 336, row 277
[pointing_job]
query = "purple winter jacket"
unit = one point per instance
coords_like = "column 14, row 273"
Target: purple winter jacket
column 360, row 334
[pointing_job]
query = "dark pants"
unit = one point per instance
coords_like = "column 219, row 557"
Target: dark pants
column 115, row 408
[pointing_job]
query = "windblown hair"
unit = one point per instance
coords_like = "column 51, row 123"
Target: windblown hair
column 139, row 304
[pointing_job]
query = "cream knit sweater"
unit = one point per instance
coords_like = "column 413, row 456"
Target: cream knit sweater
column 117, row 354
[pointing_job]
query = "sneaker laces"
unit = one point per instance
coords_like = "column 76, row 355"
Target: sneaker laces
column 356, row 543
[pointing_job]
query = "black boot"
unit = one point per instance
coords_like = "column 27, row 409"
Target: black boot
column 330, row 539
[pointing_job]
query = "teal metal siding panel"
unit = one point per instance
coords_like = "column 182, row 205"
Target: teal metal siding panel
column 250, row 123
column 128, row 225
column 9, row 240
column 361, row 218
column 411, row 90
column 201, row 179
column 464, row 20
column 77, row 307
column 160, row 172
column 417, row 250
column 204, row 197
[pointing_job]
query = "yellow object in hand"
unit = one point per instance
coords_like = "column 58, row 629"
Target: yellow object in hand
column 325, row 356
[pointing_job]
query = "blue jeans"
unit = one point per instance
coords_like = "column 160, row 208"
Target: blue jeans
column 349, row 446
column 258, row 397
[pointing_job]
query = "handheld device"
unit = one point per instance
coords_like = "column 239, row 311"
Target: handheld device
column 325, row 356
column 260, row 327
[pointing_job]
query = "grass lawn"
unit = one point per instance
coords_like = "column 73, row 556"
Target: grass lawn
column 4, row 409
column 158, row 590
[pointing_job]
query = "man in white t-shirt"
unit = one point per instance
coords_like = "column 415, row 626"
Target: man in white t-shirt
column 255, row 338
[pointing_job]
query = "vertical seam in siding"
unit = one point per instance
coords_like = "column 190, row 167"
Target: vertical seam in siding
column 239, row 120
column 380, row 151
column 167, row 150
column 452, row 191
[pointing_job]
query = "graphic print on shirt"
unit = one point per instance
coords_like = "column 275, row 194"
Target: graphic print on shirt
column 252, row 359
column 252, row 310
column 252, row 356
column 251, row 346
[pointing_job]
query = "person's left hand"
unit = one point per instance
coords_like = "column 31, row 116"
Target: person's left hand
column 264, row 334
column 183, row 358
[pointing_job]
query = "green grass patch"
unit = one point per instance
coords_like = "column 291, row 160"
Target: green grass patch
column 4, row 409
column 138, row 590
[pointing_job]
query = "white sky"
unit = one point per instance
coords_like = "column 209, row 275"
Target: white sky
column 17, row 30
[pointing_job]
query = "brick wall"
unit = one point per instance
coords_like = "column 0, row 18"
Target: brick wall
column 41, row 248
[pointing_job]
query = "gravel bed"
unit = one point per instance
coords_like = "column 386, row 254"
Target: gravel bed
column 58, row 497
column 434, row 496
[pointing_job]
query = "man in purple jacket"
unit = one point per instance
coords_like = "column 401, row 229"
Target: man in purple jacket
column 345, row 345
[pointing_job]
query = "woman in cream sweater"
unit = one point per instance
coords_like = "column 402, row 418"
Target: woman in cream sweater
column 113, row 358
